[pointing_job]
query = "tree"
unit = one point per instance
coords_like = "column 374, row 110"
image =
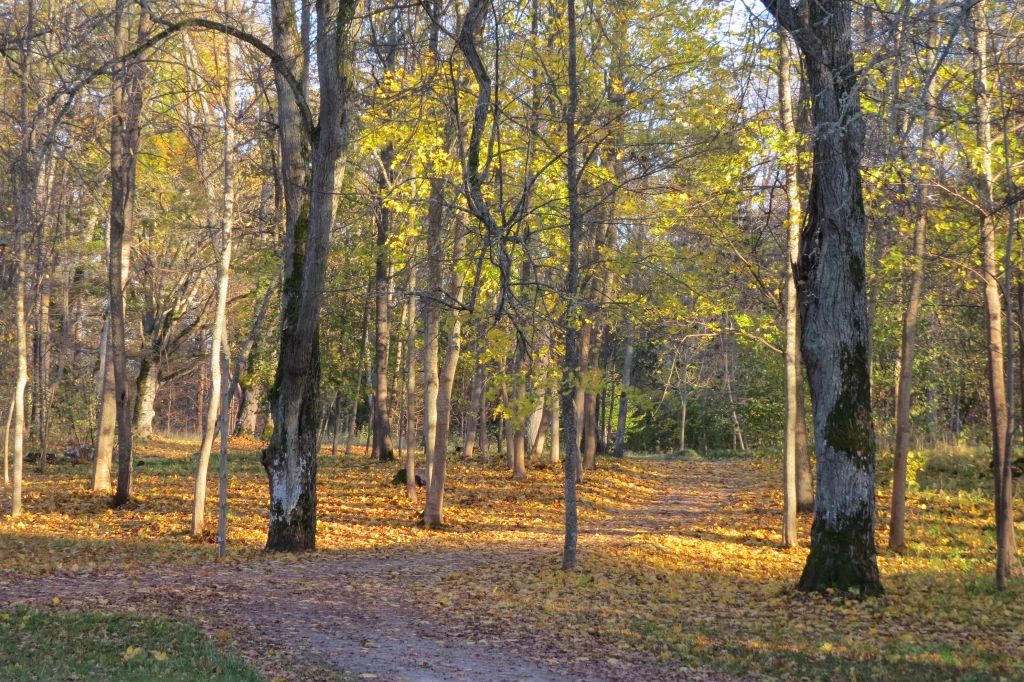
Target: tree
column 125, row 133
column 290, row 458
column 833, row 306
column 571, row 291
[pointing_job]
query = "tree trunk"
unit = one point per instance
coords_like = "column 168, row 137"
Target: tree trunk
column 105, row 419
column 474, row 420
column 220, row 399
column 627, row 372
column 571, row 379
column 248, row 410
column 897, row 535
column 792, row 350
column 383, row 448
column 146, row 386
column 555, row 408
column 410, row 387
column 42, row 347
column 290, row 458
column 124, row 151
column 804, row 470
column 7, row 443
column 832, row 300
column 1006, row 563
column 432, row 322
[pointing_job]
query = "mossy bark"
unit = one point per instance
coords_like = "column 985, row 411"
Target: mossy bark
column 835, row 331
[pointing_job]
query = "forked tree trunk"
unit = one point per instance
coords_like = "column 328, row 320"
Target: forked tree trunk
column 124, row 148
column 833, row 306
column 290, row 458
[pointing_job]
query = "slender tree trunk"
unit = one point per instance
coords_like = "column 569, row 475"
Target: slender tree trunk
column 383, row 448
column 124, row 148
column 22, row 379
column 350, row 433
column 832, row 299
column 804, row 470
column 627, row 372
column 220, row 399
column 792, row 350
column 555, row 408
column 432, row 322
column 1006, row 563
column 904, row 387
column 410, row 387
column 42, row 335
column 7, row 442
column 474, row 420
column 571, row 379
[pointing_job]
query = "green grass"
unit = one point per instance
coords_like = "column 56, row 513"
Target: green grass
column 43, row 644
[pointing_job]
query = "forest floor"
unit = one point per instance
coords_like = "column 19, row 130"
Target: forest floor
column 682, row 577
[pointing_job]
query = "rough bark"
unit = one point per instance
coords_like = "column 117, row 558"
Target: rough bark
column 290, row 458
column 146, row 386
column 571, row 293
column 832, row 300
column 124, row 147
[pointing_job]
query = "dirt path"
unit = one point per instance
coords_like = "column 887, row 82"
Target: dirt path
column 331, row 616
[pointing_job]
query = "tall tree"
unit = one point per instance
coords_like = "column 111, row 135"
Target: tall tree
column 833, row 306
column 1006, row 560
column 290, row 458
column 792, row 359
column 125, row 135
column 570, row 381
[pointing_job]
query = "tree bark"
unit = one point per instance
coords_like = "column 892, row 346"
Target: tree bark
column 146, row 386
column 105, row 421
column 832, row 300
column 410, row 387
column 792, row 350
column 1006, row 562
column 383, row 448
column 290, row 458
column 220, row 399
column 571, row 378
column 124, row 150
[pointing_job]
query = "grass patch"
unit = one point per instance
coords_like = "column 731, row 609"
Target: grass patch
column 38, row 644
